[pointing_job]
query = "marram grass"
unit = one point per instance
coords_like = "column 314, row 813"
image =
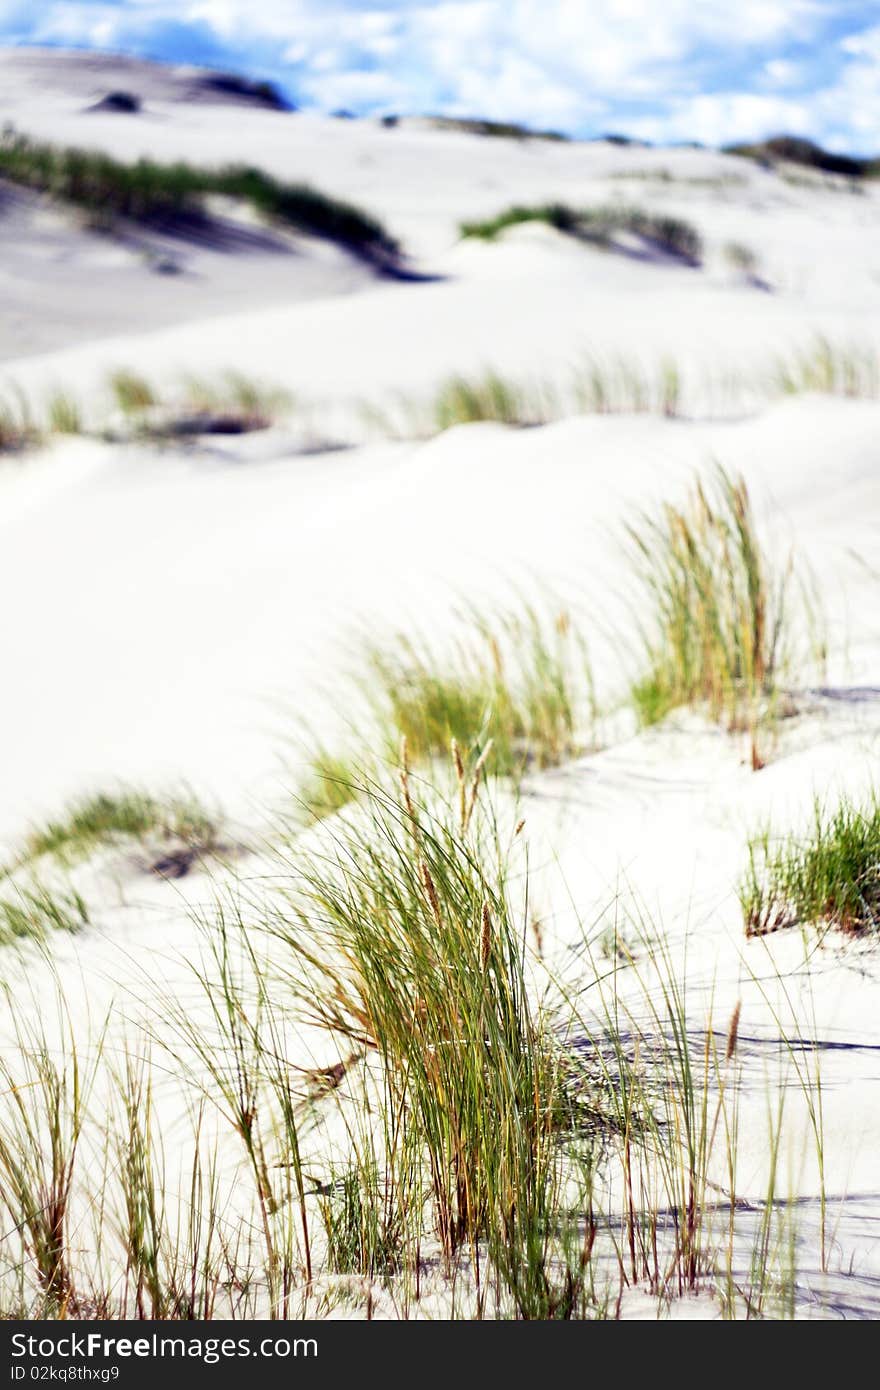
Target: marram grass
column 108, row 817
column 18, row 429
column 465, row 400
column 522, row 1149
column 834, row 369
column 521, row 679
column 402, row 942
column 514, row 695
column 599, row 225
column 231, row 402
column 228, row 402
column 828, row 877
column 31, row 912
column 714, row 624
column 108, row 190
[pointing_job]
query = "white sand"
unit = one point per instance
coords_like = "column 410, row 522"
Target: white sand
column 160, row 606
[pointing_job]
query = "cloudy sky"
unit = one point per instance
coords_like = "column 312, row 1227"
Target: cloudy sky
column 709, row 70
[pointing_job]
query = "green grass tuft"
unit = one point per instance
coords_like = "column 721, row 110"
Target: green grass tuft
column 17, row 427
column 413, row 954
column 516, row 694
column 107, row 818
column 363, row 1229
column 833, row 369
column 149, row 192
column 63, row 414
column 36, row 911
column 715, row 631
column 502, row 130
column 599, row 225
column 333, row 781
column 624, row 386
column 132, row 393
column 466, row 400
column 229, row 403
column 830, row 877
column 519, row 691
column 232, row 400
column 40, row 1127
column 557, row 215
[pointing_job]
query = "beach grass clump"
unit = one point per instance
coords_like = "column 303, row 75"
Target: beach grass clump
column 624, row 385
column 231, row 402
column 63, row 414
column 333, row 781
column 465, row 400
column 524, row 1145
column 829, row 877
column 363, row 1226
column 501, row 130
column 608, row 384
column 598, row 225
column 714, row 624
column 307, row 210
column 673, row 235
column 596, row 386
column 402, row 943
column 148, row 192
column 228, row 402
column 40, row 1126
column 133, row 394
column 110, row 817
column 833, row 369
column 514, row 695
column 169, row 1249
column 518, row 693
column 557, row 215
column 740, row 257
column 18, row 429
column 35, row 911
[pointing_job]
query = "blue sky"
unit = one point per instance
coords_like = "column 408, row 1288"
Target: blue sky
column 709, row 70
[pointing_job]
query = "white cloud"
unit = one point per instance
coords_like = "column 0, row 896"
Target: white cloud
column 719, row 118
column 637, row 65
column 544, row 60
column 863, row 45
column 852, row 104
column 781, row 72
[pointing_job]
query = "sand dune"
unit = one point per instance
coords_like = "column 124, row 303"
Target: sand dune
column 534, row 302
column 172, row 612
column 84, row 76
column 63, row 285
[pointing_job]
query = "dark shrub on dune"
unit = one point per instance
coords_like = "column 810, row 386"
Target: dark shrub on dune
column 123, row 103
column 792, row 149
column 226, row 85
column 504, row 130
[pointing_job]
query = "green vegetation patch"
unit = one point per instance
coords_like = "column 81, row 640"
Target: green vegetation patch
column 831, row 876
column 712, row 610
column 516, row 695
column 109, row 817
column 150, row 192
column 598, row 225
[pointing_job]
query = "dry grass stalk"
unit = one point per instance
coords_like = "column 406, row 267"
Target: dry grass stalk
column 475, row 785
column 485, row 938
column 733, row 1031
